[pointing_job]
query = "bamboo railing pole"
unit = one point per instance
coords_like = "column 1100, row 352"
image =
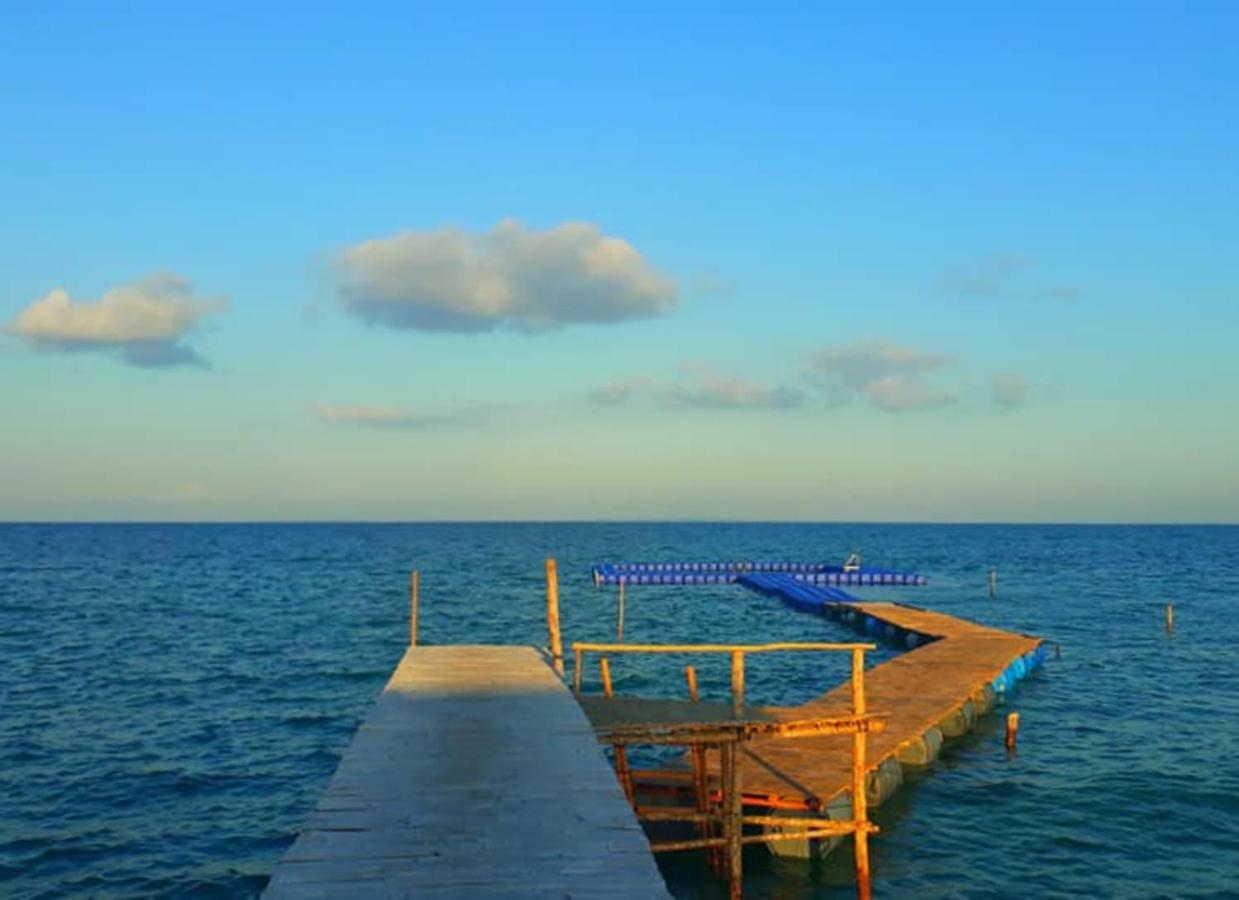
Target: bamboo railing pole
column 619, row 613
column 737, row 682
column 690, row 674
column 622, row 770
column 552, row 617
column 606, row 676
column 859, row 799
column 578, row 669
column 413, row 579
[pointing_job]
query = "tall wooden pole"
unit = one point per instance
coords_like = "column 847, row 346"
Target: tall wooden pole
column 413, row 609
column 860, row 812
column 737, row 682
column 691, row 675
column 619, row 613
column 552, row 616
column 1169, row 618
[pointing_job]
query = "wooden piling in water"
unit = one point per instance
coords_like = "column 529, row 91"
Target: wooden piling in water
column 1169, row 618
column 552, row 618
column 413, row 579
column 690, row 674
column 993, row 583
column 1013, row 727
column 619, row 613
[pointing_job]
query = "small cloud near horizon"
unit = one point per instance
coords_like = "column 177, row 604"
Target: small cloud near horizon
column 147, row 322
column 700, row 386
column 393, row 417
column 1001, row 275
column 883, row 374
column 1009, row 391
column 510, row 277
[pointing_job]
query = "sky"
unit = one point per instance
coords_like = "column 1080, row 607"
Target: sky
column 825, row 262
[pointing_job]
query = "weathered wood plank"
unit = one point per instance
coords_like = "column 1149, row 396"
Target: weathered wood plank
column 474, row 774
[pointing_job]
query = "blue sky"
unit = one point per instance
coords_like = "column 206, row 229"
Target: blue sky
column 616, row 261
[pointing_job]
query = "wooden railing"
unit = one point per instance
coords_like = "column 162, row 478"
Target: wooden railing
column 727, row 738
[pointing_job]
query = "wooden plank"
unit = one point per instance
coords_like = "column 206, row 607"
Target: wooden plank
column 474, row 774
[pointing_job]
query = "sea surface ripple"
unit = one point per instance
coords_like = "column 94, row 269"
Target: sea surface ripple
column 174, row 698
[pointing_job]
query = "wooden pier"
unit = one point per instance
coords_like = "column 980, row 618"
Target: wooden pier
column 475, row 774
column 943, row 684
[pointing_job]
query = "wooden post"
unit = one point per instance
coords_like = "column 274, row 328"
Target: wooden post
column 993, row 583
column 701, row 787
column 1169, row 618
column 691, row 675
column 622, row 771
column 1013, row 726
column 413, row 609
column 737, row 682
column 552, row 617
column 619, row 613
column 606, row 676
column 733, row 810
column 578, row 669
column 859, row 799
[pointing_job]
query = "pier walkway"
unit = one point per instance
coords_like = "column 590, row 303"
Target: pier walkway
column 954, row 672
column 475, row 774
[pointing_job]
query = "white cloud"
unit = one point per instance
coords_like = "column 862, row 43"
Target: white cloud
column 700, row 385
column 449, row 280
column 988, row 277
column 189, row 492
column 1009, row 391
column 1007, row 276
column 619, row 391
column 147, row 321
column 886, row 375
column 393, row 416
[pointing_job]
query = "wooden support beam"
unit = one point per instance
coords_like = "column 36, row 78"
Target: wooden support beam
column 690, row 674
column 732, row 811
column 859, row 799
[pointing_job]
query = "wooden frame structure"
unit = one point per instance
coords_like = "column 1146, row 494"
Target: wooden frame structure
column 723, row 809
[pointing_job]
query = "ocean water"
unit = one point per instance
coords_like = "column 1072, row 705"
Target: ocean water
column 174, row 698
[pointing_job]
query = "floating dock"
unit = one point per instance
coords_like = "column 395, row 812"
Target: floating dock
column 670, row 573
column 475, row 774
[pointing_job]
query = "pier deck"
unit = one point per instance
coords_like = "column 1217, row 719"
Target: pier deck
column 939, row 684
column 474, row 774
column 943, row 684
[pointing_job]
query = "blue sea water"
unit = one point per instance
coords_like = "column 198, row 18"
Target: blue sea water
column 174, row 698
